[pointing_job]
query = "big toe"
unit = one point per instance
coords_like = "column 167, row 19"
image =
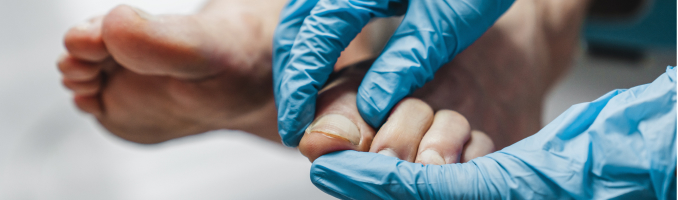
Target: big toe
column 155, row 45
column 338, row 124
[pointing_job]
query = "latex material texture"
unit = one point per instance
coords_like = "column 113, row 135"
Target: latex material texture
column 313, row 33
column 620, row 146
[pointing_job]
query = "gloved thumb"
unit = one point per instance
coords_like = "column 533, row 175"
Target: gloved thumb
column 363, row 175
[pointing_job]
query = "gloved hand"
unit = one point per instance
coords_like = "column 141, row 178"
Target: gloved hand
column 620, row 146
column 312, row 34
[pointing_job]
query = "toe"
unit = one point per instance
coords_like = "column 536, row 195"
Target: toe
column 401, row 134
column 338, row 124
column 84, row 88
column 478, row 145
column 89, row 104
column 84, row 41
column 156, row 45
column 444, row 141
column 78, row 70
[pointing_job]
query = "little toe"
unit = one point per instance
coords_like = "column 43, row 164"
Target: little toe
column 84, row 41
column 78, row 70
column 478, row 145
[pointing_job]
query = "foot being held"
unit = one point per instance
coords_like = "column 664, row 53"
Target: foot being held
column 412, row 132
column 149, row 79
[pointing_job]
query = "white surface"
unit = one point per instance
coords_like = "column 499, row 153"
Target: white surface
column 48, row 150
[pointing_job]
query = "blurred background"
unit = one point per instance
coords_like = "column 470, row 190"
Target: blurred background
column 49, row 150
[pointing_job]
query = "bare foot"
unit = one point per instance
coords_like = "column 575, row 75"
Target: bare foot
column 412, row 132
column 149, row 79
column 170, row 76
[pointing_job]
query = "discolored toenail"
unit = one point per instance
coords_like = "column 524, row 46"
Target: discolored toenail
column 336, row 125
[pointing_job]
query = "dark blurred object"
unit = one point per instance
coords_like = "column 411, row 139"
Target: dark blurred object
column 611, row 51
column 616, row 9
column 627, row 29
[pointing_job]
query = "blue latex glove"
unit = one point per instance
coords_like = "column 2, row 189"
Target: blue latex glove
column 313, row 33
column 620, row 146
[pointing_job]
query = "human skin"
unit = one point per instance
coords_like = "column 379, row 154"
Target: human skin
column 500, row 81
column 149, row 79
column 412, row 131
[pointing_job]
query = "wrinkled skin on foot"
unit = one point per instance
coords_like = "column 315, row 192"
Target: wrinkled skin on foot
column 147, row 86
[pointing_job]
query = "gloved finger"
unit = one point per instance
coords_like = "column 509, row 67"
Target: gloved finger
column 291, row 18
column 362, row 175
column 444, row 141
column 402, row 132
column 555, row 163
column 430, row 35
column 478, row 145
column 304, row 69
column 338, row 125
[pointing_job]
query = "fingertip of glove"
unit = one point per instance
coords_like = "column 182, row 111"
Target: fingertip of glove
column 319, row 177
column 334, row 175
column 289, row 139
column 291, row 127
column 290, row 142
column 369, row 112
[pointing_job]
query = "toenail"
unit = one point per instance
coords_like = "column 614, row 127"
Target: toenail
column 431, row 157
column 84, row 25
column 335, row 125
column 143, row 14
column 388, row 152
column 62, row 57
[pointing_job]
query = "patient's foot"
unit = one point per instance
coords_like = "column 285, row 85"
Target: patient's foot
column 150, row 78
